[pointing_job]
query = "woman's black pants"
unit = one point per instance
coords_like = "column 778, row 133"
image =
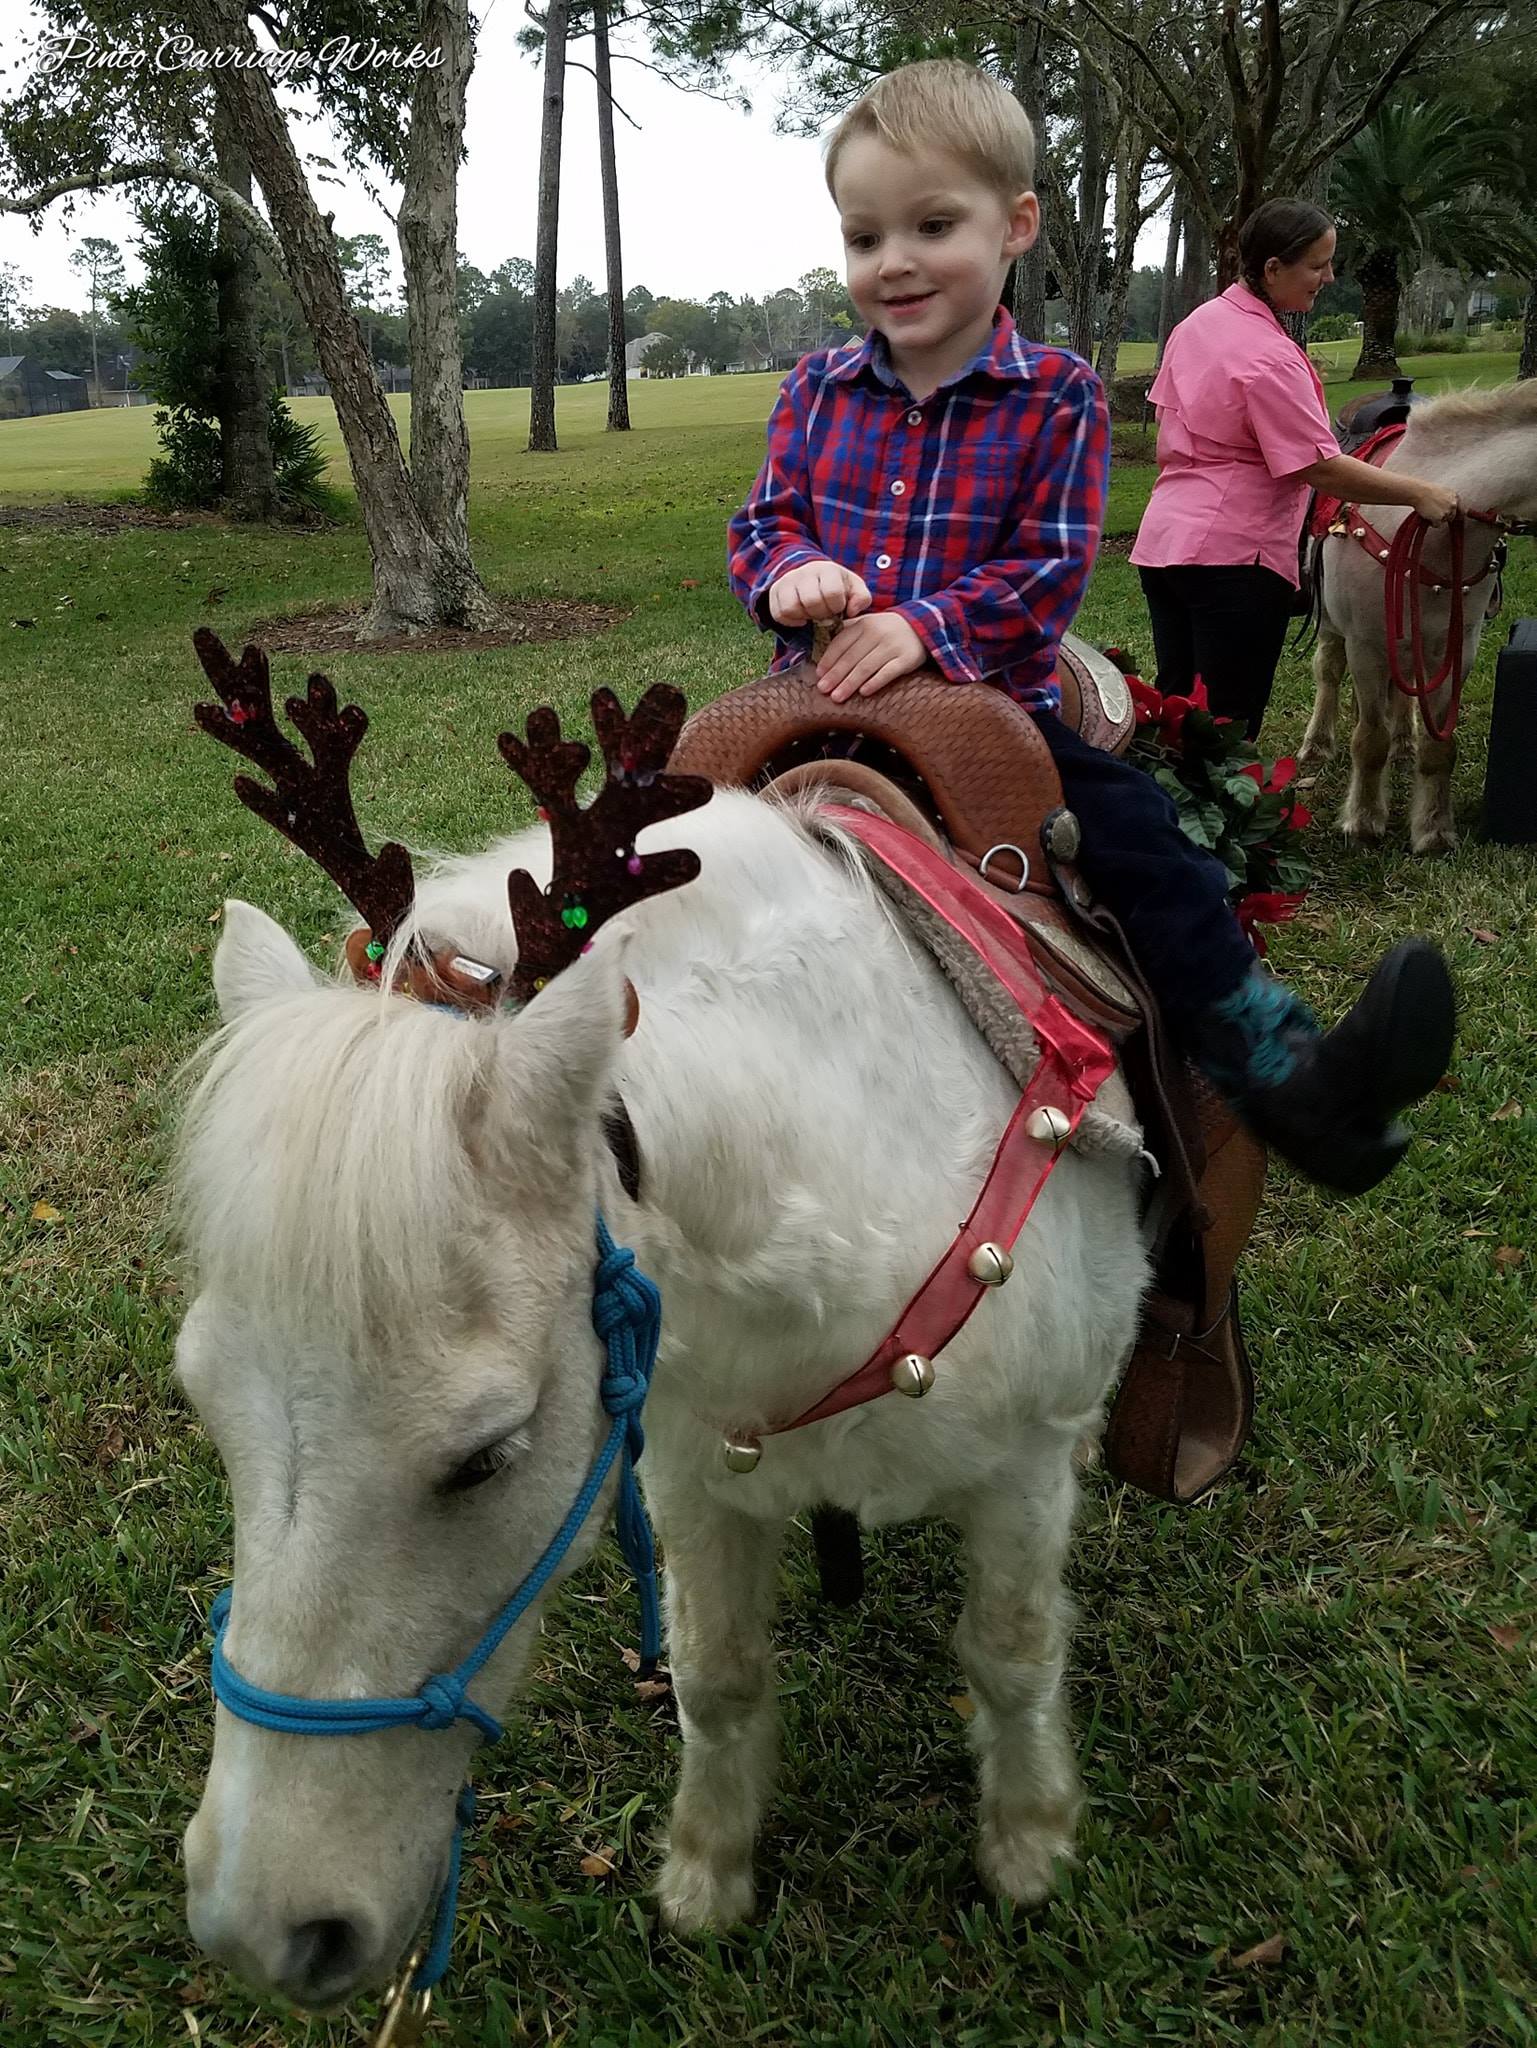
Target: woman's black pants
column 1226, row 625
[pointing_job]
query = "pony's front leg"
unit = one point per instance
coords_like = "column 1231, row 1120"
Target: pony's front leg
column 1432, row 828
column 1365, row 815
column 721, row 1574
column 1328, row 674
column 1012, row 1641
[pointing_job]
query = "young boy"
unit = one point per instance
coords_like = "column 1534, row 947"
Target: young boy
column 939, row 487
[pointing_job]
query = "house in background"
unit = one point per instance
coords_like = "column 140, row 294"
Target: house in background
column 26, row 391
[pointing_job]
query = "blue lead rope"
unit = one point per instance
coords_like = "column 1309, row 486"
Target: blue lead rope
column 627, row 1315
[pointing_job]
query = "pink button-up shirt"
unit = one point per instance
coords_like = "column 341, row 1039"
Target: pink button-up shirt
column 1240, row 412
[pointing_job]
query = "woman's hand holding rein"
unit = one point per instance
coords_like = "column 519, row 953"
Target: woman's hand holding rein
column 1361, row 483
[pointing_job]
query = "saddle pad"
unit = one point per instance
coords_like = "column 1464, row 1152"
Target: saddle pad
column 1109, row 1125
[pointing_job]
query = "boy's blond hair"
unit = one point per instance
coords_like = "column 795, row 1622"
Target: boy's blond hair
column 949, row 108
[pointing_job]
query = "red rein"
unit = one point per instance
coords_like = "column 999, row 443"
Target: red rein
column 1403, row 579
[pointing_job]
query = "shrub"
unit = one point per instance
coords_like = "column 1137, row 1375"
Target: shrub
column 1433, row 345
column 1333, row 327
column 1128, row 397
column 187, row 476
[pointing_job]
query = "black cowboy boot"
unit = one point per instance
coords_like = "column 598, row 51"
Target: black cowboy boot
column 1329, row 1103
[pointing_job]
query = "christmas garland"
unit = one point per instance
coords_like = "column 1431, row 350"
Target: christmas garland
column 1238, row 806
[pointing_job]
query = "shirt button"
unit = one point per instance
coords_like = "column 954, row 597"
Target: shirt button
column 883, row 561
column 915, row 418
column 898, row 488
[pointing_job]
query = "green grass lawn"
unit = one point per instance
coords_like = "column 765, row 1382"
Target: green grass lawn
column 1306, row 1707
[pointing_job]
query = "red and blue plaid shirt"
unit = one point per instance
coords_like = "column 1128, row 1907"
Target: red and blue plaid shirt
column 974, row 512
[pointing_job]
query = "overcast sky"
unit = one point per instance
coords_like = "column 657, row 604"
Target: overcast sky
column 712, row 199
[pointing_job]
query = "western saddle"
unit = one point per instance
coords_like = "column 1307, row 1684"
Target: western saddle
column 968, row 771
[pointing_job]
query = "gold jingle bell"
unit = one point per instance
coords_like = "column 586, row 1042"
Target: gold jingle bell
column 1049, row 1126
column 990, row 1264
column 742, row 1454
column 913, row 1375
column 403, row 2023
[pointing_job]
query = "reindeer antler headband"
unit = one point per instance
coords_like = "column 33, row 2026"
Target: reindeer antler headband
column 596, row 869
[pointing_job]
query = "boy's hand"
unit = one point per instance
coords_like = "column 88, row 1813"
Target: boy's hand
column 817, row 590
column 865, row 657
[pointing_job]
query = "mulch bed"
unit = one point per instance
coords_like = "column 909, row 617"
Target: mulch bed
column 335, row 630
column 81, row 513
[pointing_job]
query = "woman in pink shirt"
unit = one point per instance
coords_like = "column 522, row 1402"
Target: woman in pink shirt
column 1243, row 432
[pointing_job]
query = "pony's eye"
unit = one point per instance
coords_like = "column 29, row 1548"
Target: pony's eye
column 481, row 1465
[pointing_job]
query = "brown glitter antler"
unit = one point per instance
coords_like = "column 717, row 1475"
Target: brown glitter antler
column 597, row 871
column 309, row 804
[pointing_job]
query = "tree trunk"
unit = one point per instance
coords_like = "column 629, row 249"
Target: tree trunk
column 1527, row 367
column 283, row 351
column 1168, row 297
column 241, row 396
column 1378, row 278
column 1464, row 291
column 1084, row 288
column 428, row 225
column 417, row 584
column 1029, row 281
column 618, row 380
column 1195, row 270
column 541, row 397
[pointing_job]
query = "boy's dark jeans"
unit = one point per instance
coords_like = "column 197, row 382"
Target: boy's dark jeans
column 1167, row 895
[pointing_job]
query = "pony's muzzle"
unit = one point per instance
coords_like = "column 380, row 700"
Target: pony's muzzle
column 316, row 1952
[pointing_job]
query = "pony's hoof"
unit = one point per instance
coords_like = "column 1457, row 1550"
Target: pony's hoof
column 693, row 1896
column 1023, row 1865
column 1438, row 839
column 1316, row 754
column 1362, row 831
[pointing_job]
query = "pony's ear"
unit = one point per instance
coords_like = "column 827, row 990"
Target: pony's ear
column 549, row 1072
column 256, row 960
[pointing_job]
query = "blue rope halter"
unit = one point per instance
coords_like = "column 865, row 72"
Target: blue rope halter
column 627, row 1315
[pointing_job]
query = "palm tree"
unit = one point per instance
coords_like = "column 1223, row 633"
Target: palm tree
column 1414, row 187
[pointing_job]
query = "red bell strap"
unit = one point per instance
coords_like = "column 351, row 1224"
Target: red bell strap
column 1074, row 1063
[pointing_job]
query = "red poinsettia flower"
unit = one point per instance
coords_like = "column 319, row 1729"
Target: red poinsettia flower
column 1149, row 705
column 1282, row 774
column 1298, row 818
column 1177, row 709
column 1266, row 906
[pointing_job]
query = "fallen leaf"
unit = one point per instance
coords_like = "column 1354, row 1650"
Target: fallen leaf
column 193, row 1990
column 45, row 1212
column 689, row 583
column 216, row 916
column 630, row 1659
column 1508, row 1256
column 1506, row 1111
column 1483, row 937
column 601, row 1864
column 1448, row 1085
column 963, row 1704
column 1505, row 1634
column 653, row 1688
column 1478, row 1233
column 111, row 1447
column 1269, row 1951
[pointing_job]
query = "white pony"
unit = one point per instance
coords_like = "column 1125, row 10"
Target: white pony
column 391, row 1213
column 1484, row 446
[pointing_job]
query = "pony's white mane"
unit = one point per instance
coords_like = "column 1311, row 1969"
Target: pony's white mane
column 1459, row 415
column 322, row 1166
